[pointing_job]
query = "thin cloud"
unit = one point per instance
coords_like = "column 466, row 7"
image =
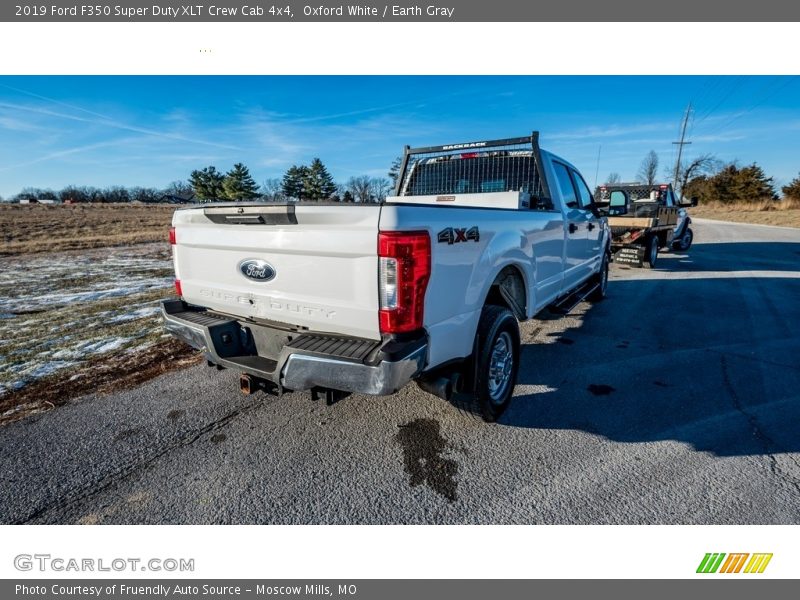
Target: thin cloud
column 11, row 124
column 54, row 101
column 66, row 152
column 116, row 125
column 610, row 131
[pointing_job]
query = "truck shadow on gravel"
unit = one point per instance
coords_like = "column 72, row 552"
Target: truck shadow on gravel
column 711, row 362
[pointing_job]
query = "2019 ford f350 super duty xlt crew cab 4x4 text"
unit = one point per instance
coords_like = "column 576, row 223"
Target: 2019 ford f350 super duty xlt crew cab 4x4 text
column 428, row 285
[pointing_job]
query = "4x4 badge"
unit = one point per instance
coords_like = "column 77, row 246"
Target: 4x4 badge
column 454, row 235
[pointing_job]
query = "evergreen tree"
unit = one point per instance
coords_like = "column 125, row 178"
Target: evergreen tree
column 239, row 185
column 207, row 184
column 294, row 182
column 394, row 170
column 348, row 197
column 753, row 184
column 732, row 184
column 318, row 183
column 793, row 189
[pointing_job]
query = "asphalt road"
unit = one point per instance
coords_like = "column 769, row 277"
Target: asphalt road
column 674, row 401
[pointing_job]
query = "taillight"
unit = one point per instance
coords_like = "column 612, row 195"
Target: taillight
column 178, row 289
column 172, row 236
column 404, row 268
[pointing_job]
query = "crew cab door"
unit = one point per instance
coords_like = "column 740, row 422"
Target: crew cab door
column 594, row 222
column 576, row 222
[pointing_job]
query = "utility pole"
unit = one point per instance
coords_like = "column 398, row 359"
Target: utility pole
column 597, row 169
column 681, row 144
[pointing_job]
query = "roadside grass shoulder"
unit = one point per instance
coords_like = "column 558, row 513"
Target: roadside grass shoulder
column 785, row 213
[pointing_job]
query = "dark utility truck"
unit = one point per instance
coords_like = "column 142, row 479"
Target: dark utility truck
column 644, row 219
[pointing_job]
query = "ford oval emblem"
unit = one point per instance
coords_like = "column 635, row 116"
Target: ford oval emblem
column 257, row 270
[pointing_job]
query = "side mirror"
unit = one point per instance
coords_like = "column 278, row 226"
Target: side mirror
column 692, row 202
column 599, row 208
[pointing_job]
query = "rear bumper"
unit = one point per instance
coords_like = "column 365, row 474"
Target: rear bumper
column 302, row 362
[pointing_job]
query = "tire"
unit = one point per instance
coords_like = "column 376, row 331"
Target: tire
column 602, row 278
column 685, row 241
column 497, row 348
column 651, row 253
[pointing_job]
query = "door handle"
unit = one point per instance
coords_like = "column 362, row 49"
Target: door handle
column 573, row 228
column 590, row 226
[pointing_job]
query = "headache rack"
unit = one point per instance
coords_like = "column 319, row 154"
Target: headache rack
column 632, row 200
column 506, row 165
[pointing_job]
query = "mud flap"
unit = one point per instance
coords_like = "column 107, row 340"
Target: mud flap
column 632, row 255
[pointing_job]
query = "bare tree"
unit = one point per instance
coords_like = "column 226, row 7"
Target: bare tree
column 272, row 190
column 648, row 170
column 702, row 165
column 381, row 187
column 341, row 190
column 613, row 177
column 181, row 189
column 360, row 188
column 143, row 194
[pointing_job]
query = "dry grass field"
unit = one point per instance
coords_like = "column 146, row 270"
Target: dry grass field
column 79, row 293
column 35, row 228
column 785, row 213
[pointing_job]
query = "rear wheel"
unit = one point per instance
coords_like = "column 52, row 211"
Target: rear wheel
column 651, row 252
column 496, row 362
column 602, row 281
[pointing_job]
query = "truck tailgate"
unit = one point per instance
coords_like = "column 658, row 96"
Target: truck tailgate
column 309, row 265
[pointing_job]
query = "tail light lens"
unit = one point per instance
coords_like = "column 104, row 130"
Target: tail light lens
column 404, row 268
column 173, row 241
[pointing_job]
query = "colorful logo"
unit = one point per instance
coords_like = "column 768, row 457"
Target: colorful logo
column 734, row 563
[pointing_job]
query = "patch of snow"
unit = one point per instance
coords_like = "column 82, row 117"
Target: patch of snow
column 105, row 345
column 139, row 348
column 140, row 313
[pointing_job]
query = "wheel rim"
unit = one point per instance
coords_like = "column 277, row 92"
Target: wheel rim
column 687, row 239
column 501, row 365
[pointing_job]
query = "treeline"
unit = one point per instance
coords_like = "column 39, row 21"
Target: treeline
column 709, row 179
column 299, row 182
column 112, row 194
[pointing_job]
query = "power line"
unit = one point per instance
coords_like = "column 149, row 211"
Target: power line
column 597, row 169
column 708, row 89
column 770, row 94
column 734, row 87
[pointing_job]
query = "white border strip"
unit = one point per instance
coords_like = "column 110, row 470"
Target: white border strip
column 429, row 552
column 398, row 48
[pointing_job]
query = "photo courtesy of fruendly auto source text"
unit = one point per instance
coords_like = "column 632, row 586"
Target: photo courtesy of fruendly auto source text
column 459, row 299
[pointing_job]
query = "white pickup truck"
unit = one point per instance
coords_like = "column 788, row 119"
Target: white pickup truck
column 428, row 285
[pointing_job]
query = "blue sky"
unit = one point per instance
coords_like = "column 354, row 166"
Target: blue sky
column 149, row 131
